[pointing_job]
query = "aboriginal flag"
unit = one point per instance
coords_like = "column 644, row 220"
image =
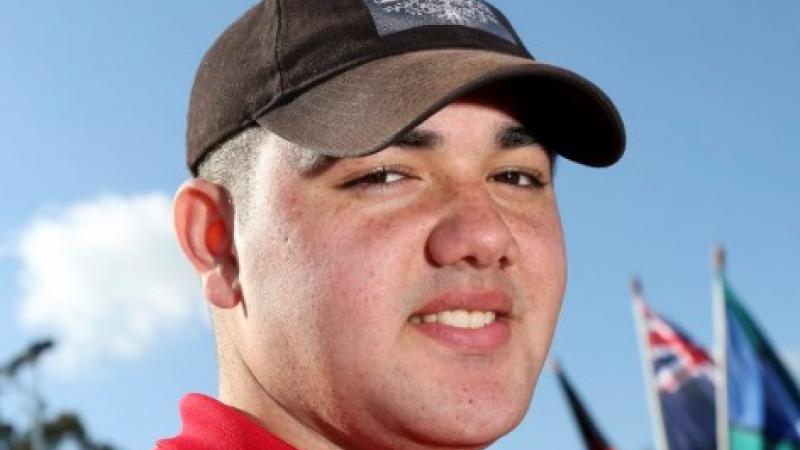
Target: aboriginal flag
column 592, row 437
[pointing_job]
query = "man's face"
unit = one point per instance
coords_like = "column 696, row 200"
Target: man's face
column 356, row 278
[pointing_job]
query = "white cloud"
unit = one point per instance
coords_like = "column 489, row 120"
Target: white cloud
column 106, row 278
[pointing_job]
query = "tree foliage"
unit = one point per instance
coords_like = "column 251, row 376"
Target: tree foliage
column 51, row 432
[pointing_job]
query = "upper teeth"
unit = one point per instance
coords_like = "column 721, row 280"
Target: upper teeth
column 458, row 318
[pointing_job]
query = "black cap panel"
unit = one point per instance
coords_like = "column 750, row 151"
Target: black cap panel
column 236, row 78
column 314, row 47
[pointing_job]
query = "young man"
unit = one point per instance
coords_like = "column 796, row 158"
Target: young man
column 373, row 219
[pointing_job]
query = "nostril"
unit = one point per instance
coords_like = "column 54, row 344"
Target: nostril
column 475, row 262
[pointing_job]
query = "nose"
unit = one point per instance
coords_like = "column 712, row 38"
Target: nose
column 472, row 232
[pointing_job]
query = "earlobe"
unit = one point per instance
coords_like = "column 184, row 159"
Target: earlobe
column 221, row 287
column 203, row 222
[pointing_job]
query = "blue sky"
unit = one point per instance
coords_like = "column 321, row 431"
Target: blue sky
column 94, row 96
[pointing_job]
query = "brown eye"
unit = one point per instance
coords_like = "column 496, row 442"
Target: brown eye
column 518, row 178
column 382, row 176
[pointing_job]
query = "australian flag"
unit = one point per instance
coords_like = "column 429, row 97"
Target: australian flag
column 682, row 374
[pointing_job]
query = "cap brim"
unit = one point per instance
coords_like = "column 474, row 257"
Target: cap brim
column 364, row 109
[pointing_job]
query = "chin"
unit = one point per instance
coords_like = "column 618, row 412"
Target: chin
column 465, row 434
column 472, row 424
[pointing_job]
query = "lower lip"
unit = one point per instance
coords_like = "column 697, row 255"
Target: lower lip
column 488, row 339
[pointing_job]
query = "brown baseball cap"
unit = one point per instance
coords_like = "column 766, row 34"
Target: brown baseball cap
column 346, row 77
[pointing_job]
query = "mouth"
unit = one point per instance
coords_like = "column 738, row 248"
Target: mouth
column 466, row 322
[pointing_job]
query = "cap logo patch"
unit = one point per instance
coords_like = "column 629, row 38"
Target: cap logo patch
column 392, row 16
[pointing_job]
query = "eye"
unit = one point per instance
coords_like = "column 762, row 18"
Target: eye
column 519, row 178
column 377, row 177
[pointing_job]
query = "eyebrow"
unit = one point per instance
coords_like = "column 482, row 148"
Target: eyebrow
column 510, row 136
column 418, row 138
column 507, row 137
column 515, row 136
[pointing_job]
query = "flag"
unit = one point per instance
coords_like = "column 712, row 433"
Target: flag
column 592, row 436
column 680, row 380
column 762, row 398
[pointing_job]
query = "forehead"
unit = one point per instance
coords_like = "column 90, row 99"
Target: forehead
column 483, row 111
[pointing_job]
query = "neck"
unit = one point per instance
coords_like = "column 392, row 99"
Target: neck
column 241, row 390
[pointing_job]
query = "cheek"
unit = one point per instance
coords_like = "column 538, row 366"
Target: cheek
column 326, row 289
column 358, row 273
column 551, row 253
column 541, row 239
column 369, row 260
column 357, row 265
column 544, row 271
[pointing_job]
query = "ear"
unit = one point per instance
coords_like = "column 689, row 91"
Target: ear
column 203, row 218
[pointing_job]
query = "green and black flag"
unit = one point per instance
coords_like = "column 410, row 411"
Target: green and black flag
column 759, row 397
column 592, row 436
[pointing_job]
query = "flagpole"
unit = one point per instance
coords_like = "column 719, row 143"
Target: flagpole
column 654, row 401
column 720, row 349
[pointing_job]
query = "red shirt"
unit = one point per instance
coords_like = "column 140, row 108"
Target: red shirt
column 211, row 425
